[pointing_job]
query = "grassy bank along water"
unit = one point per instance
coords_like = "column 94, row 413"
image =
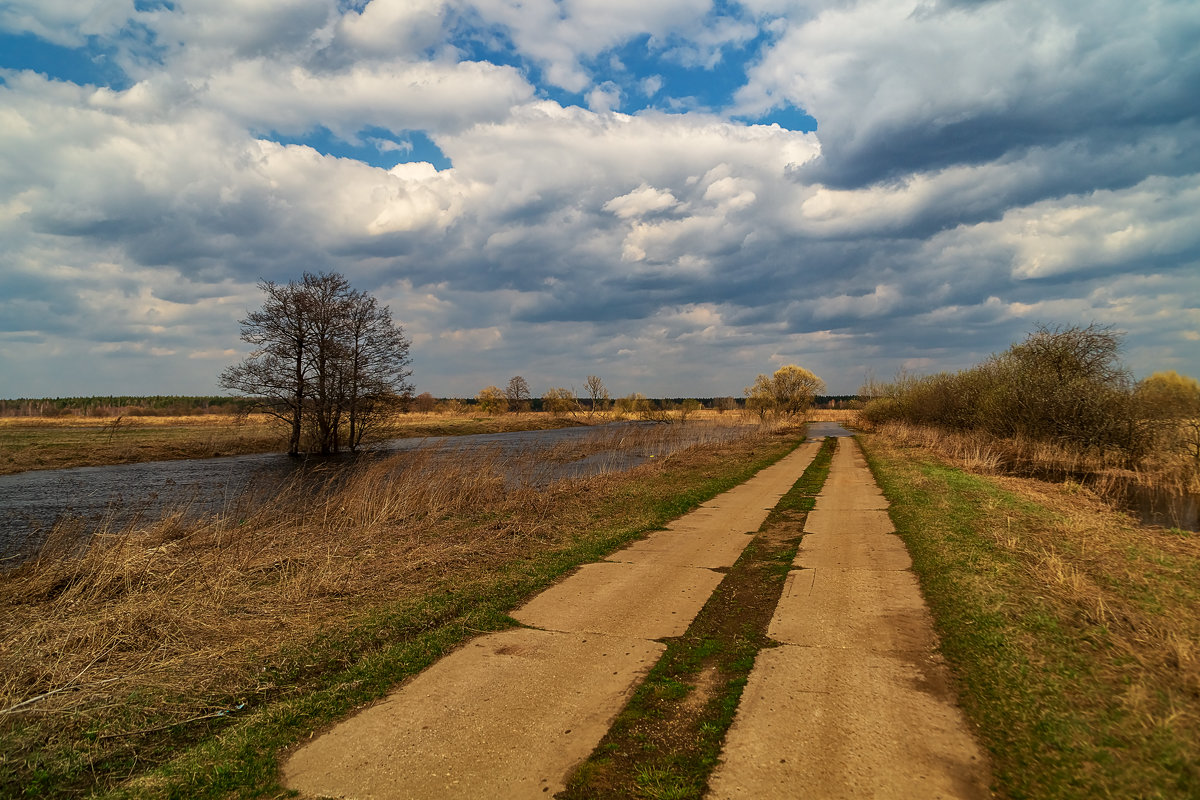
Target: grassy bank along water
column 1071, row 628
column 181, row 658
column 28, row 443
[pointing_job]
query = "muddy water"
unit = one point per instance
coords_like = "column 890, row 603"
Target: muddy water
column 822, row 430
column 1165, row 508
column 114, row 496
column 31, row 502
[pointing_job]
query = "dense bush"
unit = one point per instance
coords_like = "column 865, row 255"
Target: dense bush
column 1061, row 385
column 1169, row 406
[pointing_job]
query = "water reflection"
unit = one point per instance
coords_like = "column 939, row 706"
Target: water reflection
column 115, row 496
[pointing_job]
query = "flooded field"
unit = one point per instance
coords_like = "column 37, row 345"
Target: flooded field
column 113, row 497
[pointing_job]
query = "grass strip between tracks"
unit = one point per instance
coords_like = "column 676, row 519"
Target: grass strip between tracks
column 667, row 740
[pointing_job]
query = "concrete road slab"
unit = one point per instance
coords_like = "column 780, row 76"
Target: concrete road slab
column 648, row 601
column 743, row 508
column 698, row 548
column 852, row 496
column 856, row 703
column 880, row 612
column 507, row 715
column 510, row 714
column 829, row 520
column 870, row 551
column 815, row 723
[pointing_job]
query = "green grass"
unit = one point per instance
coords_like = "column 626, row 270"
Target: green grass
column 1048, row 618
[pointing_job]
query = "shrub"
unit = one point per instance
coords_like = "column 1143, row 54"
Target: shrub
column 1060, row 385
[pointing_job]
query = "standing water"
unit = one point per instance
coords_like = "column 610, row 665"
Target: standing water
column 114, row 497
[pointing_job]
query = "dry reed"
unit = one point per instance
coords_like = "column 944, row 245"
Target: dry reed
column 1172, row 481
column 177, row 615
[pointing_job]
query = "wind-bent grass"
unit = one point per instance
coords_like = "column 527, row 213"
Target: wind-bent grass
column 180, row 657
column 1072, row 629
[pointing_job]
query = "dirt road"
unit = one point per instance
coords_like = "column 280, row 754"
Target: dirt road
column 511, row 713
column 856, row 703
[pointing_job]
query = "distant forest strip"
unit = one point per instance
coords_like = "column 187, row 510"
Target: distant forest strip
column 186, row 405
column 114, row 406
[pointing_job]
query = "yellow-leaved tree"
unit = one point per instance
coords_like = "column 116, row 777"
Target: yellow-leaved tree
column 491, row 400
column 1170, row 403
column 789, row 392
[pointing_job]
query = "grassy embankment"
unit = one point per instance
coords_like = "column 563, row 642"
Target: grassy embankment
column 183, row 658
column 1071, row 628
column 28, row 443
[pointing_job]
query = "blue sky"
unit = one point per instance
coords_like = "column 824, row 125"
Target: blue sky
column 675, row 196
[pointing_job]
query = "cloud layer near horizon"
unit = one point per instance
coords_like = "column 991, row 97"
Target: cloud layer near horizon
column 618, row 199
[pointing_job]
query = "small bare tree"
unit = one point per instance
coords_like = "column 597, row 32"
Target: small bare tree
column 688, row 408
column 517, row 394
column 598, row 399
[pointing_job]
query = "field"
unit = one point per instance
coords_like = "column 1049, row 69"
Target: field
column 58, row 442
column 246, row 632
column 182, row 658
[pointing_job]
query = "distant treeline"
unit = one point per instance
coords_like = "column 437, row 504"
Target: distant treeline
column 725, row 403
column 181, row 405
column 114, row 406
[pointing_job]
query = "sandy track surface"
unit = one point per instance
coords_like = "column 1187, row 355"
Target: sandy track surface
column 856, row 703
column 510, row 714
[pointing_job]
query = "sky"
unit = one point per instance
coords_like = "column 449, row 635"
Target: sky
column 674, row 195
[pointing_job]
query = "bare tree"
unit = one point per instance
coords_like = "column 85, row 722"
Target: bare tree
column 325, row 354
column 275, row 373
column 688, row 408
column 376, row 370
column 517, row 393
column 598, row 399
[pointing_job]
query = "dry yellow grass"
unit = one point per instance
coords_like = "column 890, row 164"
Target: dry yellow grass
column 846, row 416
column 39, row 443
column 1104, row 472
column 181, row 614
